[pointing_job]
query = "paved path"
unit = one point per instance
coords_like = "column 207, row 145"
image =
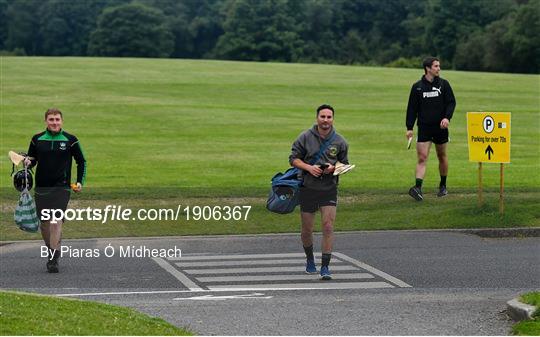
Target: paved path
column 395, row 282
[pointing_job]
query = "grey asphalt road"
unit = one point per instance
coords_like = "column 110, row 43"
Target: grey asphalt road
column 394, row 282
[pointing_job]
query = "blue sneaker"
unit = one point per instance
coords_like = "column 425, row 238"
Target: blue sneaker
column 443, row 192
column 310, row 267
column 325, row 273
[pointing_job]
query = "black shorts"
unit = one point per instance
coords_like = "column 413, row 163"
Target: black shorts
column 432, row 134
column 51, row 198
column 311, row 200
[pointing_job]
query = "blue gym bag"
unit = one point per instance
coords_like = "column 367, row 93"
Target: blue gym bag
column 285, row 189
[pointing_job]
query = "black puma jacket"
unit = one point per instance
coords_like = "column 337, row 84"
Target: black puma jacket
column 430, row 102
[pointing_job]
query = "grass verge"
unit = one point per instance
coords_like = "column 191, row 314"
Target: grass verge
column 532, row 299
column 29, row 314
column 529, row 327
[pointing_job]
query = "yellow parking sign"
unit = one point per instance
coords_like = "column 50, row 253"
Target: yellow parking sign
column 489, row 136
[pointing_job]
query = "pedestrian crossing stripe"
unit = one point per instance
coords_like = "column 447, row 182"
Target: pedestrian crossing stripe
column 281, row 271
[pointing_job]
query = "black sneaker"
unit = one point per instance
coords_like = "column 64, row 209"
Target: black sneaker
column 442, row 192
column 52, row 266
column 416, row 193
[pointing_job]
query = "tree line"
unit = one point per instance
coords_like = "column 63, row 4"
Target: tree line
column 483, row 35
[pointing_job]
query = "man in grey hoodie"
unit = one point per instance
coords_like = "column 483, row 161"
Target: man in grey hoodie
column 319, row 190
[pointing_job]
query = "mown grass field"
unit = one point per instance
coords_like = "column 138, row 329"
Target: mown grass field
column 168, row 132
column 26, row 314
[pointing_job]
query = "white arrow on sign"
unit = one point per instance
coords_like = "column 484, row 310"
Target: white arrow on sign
column 222, row 298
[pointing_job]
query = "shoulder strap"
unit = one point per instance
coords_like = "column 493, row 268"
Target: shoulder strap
column 323, row 148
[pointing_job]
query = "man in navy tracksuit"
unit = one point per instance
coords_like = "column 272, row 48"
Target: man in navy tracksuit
column 431, row 104
column 52, row 150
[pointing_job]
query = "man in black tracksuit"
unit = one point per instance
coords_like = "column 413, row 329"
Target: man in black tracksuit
column 431, row 104
column 52, row 150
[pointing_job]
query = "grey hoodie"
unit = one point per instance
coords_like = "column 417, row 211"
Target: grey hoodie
column 306, row 147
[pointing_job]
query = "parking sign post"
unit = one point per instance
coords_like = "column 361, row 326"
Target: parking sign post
column 480, row 198
column 501, row 198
